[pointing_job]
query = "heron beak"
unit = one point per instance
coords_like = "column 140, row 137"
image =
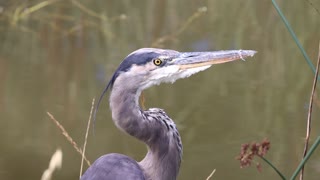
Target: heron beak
column 188, row 60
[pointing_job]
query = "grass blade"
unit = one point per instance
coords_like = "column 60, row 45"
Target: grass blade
column 293, row 35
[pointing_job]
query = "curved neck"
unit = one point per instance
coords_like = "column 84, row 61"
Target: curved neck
column 163, row 159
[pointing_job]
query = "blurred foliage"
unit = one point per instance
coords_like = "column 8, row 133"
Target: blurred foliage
column 56, row 55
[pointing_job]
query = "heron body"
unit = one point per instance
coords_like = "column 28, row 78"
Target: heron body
column 139, row 70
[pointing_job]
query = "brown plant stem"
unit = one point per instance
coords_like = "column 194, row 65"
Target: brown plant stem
column 310, row 112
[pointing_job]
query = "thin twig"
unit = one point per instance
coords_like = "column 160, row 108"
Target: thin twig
column 191, row 19
column 210, row 175
column 86, row 137
column 69, row 138
column 310, row 112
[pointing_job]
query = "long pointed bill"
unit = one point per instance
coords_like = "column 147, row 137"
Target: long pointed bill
column 187, row 60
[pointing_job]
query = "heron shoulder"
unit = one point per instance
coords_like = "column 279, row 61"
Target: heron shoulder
column 114, row 167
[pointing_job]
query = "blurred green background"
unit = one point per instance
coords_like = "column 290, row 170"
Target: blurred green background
column 57, row 55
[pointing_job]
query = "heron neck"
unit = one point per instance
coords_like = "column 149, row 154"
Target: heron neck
column 163, row 158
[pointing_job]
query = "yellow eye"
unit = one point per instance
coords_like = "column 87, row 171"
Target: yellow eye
column 157, row 62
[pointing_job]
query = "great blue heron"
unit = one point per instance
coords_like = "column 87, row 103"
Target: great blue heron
column 139, row 70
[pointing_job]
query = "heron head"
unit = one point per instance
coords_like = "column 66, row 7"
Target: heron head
column 150, row 66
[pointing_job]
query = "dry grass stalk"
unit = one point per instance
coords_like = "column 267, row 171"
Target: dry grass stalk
column 55, row 163
column 211, row 174
column 86, row 136
column 69, row 138
column 310, row 112
column 159, row 41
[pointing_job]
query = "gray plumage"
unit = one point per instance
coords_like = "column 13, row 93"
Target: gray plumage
column 139, row 70
column 120, row 167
